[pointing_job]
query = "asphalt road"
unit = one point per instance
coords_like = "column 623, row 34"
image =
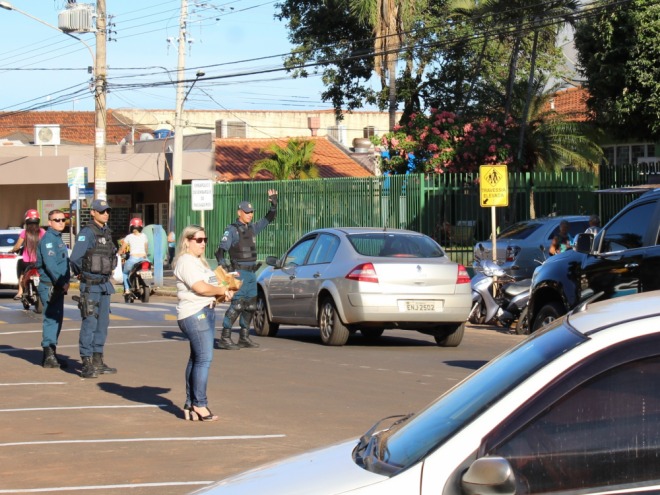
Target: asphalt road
column 124, row 433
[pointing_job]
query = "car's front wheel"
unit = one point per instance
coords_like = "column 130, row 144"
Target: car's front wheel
column 333, row 330
column 262, row 324
column 450, row 337
column 547, row 314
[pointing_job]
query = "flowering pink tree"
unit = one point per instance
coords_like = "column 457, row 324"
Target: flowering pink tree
column 443, row 142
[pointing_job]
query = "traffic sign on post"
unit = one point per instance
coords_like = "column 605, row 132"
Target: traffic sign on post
column 494, row 185
column 202, row 195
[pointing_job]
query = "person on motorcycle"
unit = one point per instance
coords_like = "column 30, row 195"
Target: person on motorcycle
column 30, row 236
column 137, row 245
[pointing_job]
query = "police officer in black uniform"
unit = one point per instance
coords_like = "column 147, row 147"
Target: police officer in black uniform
column 239, row 240
column 93, row 258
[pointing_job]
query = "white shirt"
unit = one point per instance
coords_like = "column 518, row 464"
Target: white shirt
column 137, row 245
column 188, row 271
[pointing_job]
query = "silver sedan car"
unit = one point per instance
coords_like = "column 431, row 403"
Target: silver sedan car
column 369, row 279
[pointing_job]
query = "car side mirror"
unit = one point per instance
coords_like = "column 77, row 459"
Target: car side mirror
column 489, row 475
column 584, row 243
column 273, row 261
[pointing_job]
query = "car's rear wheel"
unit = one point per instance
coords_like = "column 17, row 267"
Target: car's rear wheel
column 371, row 333
column 522, row 325
column 450, row 337
column 262, row 324
column 333, row 331
column 547, row 314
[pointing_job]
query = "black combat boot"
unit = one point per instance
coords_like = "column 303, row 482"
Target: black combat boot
column 63, row 364
column 244, row 339
column 225, row 342
column 101, row 367
column 49, row 360
column 88, row 370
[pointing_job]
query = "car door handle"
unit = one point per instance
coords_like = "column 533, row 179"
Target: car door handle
column 632, row 266
column 317, row 275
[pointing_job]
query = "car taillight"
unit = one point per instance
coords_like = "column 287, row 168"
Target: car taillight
column 463, row 275
column 511, row 253
column 363, row 273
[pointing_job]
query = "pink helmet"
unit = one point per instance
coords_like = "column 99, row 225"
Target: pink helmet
column 136, row 223
column 32, row 216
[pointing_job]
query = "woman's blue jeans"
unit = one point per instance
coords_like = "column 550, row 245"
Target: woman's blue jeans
column 200, row 330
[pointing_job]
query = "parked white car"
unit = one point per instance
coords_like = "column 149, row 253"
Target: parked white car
column 8, row 260
column 575, row 408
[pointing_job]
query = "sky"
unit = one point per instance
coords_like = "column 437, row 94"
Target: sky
column 42, row 69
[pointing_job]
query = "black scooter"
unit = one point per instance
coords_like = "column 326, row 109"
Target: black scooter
column 140, row 282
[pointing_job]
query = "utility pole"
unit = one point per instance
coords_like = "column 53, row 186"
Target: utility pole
column 100, row 113
column 177, row 154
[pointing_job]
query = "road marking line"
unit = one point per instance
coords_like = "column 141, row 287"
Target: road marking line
column 68, row 408
column 31, row 383
column 130, row 440
column 105, row 487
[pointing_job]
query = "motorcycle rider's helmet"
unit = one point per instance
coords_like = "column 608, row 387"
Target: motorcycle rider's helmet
column 32, row 216
column 135, row 223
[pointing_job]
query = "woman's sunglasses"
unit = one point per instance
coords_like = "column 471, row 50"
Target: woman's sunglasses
column 199, row 240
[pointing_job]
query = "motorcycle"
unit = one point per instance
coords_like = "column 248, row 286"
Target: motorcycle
column 140, row 282
column 29, row 283
column 507, row 304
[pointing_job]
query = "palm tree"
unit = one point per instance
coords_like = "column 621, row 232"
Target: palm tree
column 390, row 20
column 552, row 141
column 292, row 161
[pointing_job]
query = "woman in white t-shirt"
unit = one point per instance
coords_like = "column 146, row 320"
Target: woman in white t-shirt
column 137, row 245
column 197, row 290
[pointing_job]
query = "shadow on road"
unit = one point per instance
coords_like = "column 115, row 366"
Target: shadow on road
column 34, row 356
column 143, row 394
column 470, row 365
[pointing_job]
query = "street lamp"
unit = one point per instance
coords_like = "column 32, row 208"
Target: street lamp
column 98, row 63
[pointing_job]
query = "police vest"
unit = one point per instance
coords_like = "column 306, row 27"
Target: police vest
column 101, row 258
column 246, row 247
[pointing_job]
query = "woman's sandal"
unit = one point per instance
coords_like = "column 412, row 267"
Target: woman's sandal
column 209, row 417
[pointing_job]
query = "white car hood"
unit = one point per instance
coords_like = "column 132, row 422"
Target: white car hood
column 328, row 471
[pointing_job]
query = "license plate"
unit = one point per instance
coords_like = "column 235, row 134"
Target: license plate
column 146, row 275
column 419, row 306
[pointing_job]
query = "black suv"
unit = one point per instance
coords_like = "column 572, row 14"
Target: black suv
column 623, row 258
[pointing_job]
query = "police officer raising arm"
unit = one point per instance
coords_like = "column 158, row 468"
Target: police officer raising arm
column 53, row 266
column 239, row 242
column 93, row 259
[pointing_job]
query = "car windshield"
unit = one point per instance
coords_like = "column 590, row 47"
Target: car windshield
column 410, row 442
column 390, row 244
column 8, row 240
column 520, row 230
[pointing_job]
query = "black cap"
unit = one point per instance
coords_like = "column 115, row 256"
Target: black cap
column 246, row 206
column 100, row 205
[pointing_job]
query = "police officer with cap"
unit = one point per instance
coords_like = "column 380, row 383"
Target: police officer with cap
column 93, row 258
column 239, row 241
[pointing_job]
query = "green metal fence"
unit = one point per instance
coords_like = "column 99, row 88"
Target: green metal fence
column 416, row 202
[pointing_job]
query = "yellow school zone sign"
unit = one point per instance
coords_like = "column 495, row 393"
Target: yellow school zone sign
column 493, row 185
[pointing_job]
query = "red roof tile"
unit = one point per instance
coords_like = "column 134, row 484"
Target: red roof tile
column 75, row 127
column 234, row 157
column 572, row 103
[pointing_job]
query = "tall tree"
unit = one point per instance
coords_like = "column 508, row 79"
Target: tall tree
column 390, row 21
column 292, row 161
column 619, row 54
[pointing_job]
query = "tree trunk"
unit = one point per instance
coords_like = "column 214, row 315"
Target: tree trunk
column 391, row 69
